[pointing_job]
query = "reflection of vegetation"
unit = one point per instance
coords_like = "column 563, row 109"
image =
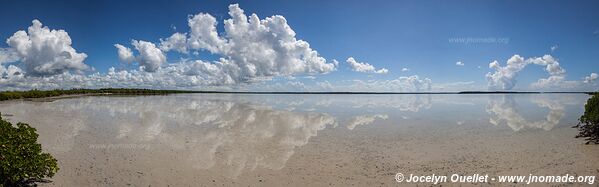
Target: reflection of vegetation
column 22, row 161
column 8, row 95
column 589, row 121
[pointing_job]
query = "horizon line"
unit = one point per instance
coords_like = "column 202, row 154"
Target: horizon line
column 325, row 92
column 390, row 93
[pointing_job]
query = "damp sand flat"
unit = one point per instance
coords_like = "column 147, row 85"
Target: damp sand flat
column 305, row 140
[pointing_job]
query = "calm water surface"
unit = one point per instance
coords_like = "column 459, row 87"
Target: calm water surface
column 273, row 140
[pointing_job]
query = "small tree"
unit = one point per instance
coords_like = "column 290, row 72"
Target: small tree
column 589, row 121
column 22, row 162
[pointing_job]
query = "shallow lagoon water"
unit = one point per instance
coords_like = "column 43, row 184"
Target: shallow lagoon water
column 298, row 140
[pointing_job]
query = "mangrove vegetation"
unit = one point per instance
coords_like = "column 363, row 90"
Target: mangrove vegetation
column 22, row 162
column 589, row 121
column 10, row 95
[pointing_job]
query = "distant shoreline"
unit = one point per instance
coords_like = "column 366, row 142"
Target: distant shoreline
column 57, row 94
column 391, row 93
column 45, row 95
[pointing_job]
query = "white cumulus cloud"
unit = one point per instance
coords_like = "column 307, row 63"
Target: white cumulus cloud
column 125, row 53
column 364, row 67
column 203, row 32
column 250, row 49
column 459, row 63
column 9, row 73
column 150, row 57
column 44, row 52
column 591, row 78
column 504, row 78
column 176, row 42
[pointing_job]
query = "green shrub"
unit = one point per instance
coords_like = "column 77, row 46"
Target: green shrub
column 589, row 121
column 22, row 162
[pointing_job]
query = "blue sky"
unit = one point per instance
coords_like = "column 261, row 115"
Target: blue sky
column 417, row 35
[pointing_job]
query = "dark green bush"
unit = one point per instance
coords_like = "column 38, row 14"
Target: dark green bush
column 22, row 162
column 589, row 121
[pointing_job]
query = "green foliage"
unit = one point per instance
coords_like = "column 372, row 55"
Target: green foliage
column 589, row 121
column 9, row 95
column 22, row 161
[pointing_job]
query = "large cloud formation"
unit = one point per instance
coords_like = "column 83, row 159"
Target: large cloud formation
column 504, row 78
column 250, row 49
column 44, row 52
column 364, row 67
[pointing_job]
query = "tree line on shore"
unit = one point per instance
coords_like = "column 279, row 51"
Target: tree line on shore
column 10, row 95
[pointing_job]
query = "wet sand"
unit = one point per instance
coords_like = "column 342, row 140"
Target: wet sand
column 211, row 140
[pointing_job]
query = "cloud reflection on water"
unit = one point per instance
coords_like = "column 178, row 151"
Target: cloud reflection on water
column 505, row 110
column 364, row 120
column 232, row 136
column 238, row 133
